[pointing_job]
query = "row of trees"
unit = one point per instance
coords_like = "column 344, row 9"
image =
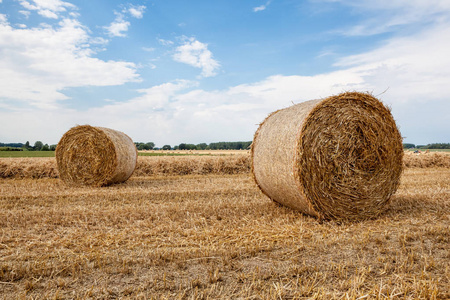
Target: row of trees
column 429, row 146
column 201, row 146
column 38, row 146
column 145, row 146
column 212, row 146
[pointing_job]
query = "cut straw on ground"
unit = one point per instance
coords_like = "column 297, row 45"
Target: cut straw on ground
column 45, row 167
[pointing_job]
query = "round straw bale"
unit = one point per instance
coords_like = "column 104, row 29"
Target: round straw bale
column 334, row 158
column 95, row 156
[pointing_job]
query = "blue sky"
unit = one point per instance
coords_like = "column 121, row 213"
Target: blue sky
column 205, row 71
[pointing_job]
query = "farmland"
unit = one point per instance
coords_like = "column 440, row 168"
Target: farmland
column 197, row 227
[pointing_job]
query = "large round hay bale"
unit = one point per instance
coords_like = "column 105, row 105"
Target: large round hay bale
column 334, row 158
column 95, row 156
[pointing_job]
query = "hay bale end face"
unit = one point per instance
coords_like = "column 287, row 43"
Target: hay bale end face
column 336, row 158
column 95, row 156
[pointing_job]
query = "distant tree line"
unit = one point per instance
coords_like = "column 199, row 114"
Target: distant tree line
column 429, row 146
column 145, row 146
column 213, row 146
column 201, row 146
column 38, row 146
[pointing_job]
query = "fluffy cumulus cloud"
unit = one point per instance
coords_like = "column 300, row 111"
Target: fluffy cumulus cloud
column 119, row 27
column 411, row 82
column 196, row 54
column 408, row 66
column 137, row 11
column 38, row 63
column 180, row 111
column 47, row 8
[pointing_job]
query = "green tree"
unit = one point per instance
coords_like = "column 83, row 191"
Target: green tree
column 46, row 147
column 166, row 147
column 229, row 145
column 439, row 146
column 145, row 146
column 408, row 146
column 38, row 146
column 184, row 146
column 202, row 146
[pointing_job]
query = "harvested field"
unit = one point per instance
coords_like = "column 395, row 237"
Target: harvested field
column 426, row 160
column 45, row 167
column 214, row 236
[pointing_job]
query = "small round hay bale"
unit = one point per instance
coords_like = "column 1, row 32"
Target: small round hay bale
column 95, row 156
column 336, row 158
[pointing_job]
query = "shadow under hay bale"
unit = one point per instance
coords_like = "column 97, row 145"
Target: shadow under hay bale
column 336, row 158
column 95, row 156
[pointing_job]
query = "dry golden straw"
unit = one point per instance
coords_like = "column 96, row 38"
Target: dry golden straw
column 336, row 158
column 95, row 156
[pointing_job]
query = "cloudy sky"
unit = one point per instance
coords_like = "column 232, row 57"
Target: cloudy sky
column 173, row 71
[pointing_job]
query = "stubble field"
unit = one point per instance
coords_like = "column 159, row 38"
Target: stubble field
column 199, row 228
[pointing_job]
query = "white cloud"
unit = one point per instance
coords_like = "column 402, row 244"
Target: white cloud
column 28, row 5
column 415, row 75
column 148, row 49
column 388, row 15
column 48, row 8
column 26, row 13
column 196, row 54
column 165, row 42
column 118, row 27
column 3, row 19
column 408, row 66
column 261, row 7
column 38, row 63
column 48, row 14
column 414, row 69
column 137, row 11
